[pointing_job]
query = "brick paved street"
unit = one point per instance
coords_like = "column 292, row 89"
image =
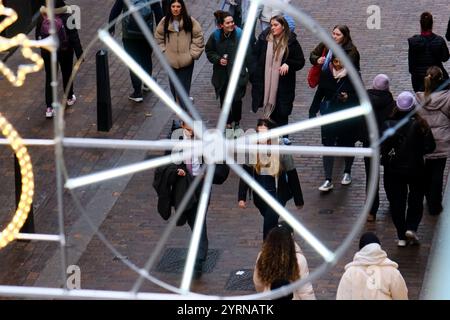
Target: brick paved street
column 125, row 209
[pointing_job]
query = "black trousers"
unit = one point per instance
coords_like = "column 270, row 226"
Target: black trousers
column 434, row 178
column 185, row 77
column 367, row 167
column 65, row 61
column 405, row 194
column 236, row 108
column 141, row 51
column 269, row 214
column 418, row 83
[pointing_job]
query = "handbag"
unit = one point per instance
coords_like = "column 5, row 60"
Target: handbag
column 325, row 105
column 314, row 73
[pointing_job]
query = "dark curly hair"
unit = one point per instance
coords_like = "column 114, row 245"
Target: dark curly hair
column 278, row 259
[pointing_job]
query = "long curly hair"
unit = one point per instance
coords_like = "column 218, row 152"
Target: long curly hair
column 187, row 22
column 278, row 259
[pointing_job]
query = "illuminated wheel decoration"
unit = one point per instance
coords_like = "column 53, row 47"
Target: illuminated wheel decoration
column 26, row 170
column 216, row 142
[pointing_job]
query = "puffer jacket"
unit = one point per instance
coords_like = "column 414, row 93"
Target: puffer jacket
column 304, row 293
column 372, row 276
column 427, row 51
column 181, row 48
column 437, row 115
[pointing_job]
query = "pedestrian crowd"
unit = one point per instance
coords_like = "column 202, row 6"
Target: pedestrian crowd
column 413, row 155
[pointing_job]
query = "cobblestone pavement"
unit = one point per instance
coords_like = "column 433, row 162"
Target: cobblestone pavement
column 124, row 209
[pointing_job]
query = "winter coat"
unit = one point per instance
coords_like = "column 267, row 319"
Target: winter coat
column 181, row 48
column 427, row 51
column 288, row 184
column 120, row 7
column 221, row 75
column 171, row 189
column 304, row 293
column 349, row 48
column 372, row 276
column 403, row 152
column 72, row 33
column 286, row 85
column 267, row 12
column 447, row 35
column 437, row 115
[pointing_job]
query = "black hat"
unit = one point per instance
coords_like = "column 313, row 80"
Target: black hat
column 368, row 238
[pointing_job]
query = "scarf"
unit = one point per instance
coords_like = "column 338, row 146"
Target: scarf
column 272, row 76
column 339, row 74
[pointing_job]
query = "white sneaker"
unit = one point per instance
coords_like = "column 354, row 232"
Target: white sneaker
column 49, row 113
column 346, row 179
column 326, row 186
column 71, row 101
column 412, row 237
column 401, row 243
column 192, row 99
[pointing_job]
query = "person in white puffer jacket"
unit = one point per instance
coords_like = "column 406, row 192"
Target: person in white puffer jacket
column 371, row 275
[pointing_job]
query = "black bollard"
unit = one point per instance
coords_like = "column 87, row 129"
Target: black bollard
column 28, row 227
column 104, row 111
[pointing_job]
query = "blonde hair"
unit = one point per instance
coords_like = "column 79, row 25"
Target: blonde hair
column 432, row 80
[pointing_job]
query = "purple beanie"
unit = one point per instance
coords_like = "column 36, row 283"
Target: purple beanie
column 381, row 82
column 406, row 101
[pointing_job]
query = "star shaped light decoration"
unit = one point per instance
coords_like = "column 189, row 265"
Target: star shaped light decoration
column 21, row 40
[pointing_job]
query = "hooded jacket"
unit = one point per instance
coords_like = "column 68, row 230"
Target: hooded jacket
column 427, row 51
column 181, row 48
column 304, row 293
column 437, row 115
column 72, row 33
column 372, row 276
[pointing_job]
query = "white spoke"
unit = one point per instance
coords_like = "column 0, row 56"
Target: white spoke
column 238, row 64
column 74, row 183
column 106, row 38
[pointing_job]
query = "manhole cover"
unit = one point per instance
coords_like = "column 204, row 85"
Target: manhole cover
column 174, row 259
column 241, row 280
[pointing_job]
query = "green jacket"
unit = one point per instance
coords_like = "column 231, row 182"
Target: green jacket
column 214, row 51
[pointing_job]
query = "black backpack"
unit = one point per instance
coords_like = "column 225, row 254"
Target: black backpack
column 394, row 153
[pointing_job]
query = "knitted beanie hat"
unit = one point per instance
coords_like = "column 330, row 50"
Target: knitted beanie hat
column 406, row 101
column 381, row 82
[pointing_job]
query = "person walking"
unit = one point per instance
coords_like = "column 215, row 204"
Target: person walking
column 134, row 41
column 276, row 57
column 436, row 112
column 383, row 105
column 371, row 275
column 180, row 38
column 69, row 43
column 279, row 259
column 221, row 51
column 277, row 175
column 404, row 167
column 425, row 50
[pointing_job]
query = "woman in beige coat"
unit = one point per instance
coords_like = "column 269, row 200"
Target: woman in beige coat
column 281, row 259
column 180, row 38
column 371, row 275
